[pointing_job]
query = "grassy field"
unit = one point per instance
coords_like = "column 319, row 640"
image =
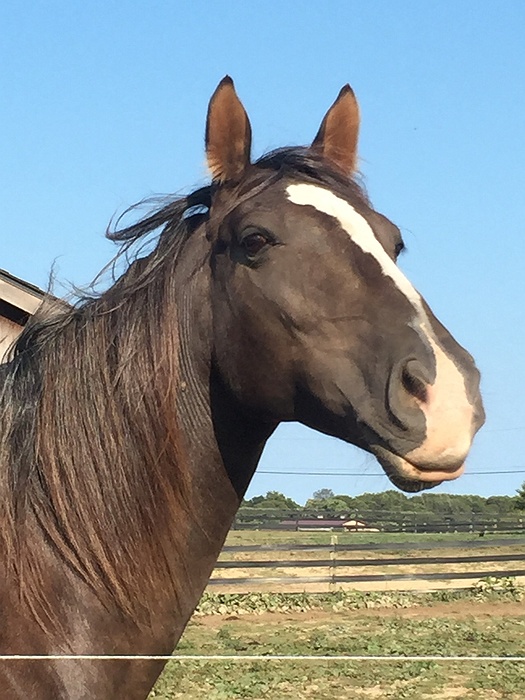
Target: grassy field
column 474, row 625
column 486, row 620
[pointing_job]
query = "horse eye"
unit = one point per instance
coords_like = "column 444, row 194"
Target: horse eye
column 400, row 247
column 253, row 243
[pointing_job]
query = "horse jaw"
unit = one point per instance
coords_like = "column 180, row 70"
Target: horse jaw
column 411, row 477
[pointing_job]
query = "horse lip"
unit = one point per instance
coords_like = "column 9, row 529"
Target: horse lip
column 412, row 477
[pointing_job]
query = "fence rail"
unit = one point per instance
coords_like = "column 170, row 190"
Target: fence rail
column 359, row 546
column 336, row 569
column 302, row 563
column 384, row 521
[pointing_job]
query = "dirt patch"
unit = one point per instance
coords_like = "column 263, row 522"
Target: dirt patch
column 375, row 586
column 458, row 609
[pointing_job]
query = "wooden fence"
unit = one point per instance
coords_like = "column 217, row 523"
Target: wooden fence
column 404, row 565
column 416, row 522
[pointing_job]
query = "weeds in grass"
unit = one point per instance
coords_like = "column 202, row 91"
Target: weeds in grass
column 506, row 585
column 489, row 589
column 344, row 629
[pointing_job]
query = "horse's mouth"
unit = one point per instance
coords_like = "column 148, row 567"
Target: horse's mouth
column 411, row 477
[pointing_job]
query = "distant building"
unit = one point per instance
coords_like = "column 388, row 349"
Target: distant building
column 358, row 526
column 328, row 523
column 18, row 301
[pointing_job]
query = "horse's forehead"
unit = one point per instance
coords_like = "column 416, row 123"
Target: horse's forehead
column 357, row 227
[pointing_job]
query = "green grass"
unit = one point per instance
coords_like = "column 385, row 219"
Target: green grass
column 430, row 631
column 355, row 623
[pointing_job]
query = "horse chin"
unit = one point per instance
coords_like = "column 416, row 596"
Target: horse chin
column 412, row 478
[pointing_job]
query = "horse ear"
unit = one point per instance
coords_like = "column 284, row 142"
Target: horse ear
column 228, row 134
column 339, row 130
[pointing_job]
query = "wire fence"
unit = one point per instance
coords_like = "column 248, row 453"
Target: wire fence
column 248, row 657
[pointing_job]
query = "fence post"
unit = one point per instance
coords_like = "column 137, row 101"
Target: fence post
column 333, row 563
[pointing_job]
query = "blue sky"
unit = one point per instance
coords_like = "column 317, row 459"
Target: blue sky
column 103, row 103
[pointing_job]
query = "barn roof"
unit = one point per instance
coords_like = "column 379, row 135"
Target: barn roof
column 17, row 297
column 18, row 301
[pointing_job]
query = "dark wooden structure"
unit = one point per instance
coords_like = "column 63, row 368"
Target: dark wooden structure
column 18, row 301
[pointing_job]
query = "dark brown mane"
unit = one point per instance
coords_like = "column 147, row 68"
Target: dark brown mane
column 100, row 363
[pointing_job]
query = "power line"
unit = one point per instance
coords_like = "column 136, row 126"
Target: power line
column 318, row 437
column 520, row 470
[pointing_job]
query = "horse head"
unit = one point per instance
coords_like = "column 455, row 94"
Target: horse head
column 313, row 319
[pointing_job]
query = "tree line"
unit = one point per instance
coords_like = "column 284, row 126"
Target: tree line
column 326, row 502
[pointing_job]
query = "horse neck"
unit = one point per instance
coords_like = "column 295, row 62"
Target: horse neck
column 227, row 431
column 221, row 440
column 218, row 446
column 154, row 506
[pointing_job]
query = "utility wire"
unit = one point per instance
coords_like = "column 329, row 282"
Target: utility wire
column 520, row 470
column 319, row 436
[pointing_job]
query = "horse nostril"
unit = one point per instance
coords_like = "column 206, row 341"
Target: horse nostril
column 415, row 380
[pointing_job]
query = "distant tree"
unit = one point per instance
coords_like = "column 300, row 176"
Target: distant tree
column 274, row 500
column 393, row 501
column 323, row 494
column 501, row 505
column 477, row 504
column 349, row 500
column 445, row 504
column 333, row 505
column 520, row 498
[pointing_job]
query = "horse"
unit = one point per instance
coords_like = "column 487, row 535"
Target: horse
column 132, row 422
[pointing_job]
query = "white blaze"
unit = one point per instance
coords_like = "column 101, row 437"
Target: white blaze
column 359, row 230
